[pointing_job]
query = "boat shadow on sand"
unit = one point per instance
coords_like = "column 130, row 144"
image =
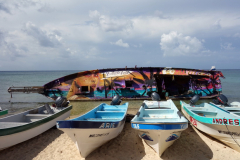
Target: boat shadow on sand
column 54, row 144
column 189, row 146
column 128, row 145
column 31, row 148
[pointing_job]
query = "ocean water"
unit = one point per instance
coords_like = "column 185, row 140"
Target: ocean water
column 22, row 101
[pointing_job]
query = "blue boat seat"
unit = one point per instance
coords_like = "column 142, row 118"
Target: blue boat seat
column 109, row 114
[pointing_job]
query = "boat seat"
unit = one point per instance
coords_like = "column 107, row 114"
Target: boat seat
column 11, row 124
column 99, row 119
column 37, row 115
column 113, row 109
column 205, row 113
column 109, row 111
column 158, row 117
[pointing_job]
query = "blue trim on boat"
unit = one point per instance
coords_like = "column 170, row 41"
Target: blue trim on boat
column 89, row 124
column 159, row 126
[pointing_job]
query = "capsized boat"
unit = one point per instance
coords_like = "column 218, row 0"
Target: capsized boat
column 214, row 121
column 159, row 123
column 3, row 112
column 96, row 127
column 20, row 127
column 131, row 83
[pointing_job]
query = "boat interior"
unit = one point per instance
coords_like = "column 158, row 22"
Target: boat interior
column 26, row 117
column 105, row 112
column 208, row 110
column 158, row 111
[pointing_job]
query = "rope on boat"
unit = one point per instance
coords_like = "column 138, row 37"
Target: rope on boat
column 231, row 135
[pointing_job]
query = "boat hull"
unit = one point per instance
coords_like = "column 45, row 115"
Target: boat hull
column 87, row 140
column 229, row 135
column 3, row 112
column 13, row 139
column 159, row 139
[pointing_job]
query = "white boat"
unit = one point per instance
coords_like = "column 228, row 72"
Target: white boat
column 20, row 127
column 215, row 121
column 159, row 123
column 96, row 127
column 222, row 101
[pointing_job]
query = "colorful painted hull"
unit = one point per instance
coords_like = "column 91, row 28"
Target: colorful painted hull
column 159, row 124
column 214, row 121
column 96, row 127
column 136, row 83
column 18, row 128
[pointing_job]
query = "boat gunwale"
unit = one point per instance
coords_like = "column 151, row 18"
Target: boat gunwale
column 30, row 125
column 208, row 120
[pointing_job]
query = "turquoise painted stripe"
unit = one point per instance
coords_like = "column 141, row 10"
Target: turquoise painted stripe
column 209, row 120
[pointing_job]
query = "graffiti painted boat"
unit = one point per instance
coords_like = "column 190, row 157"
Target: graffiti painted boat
column 96, row 127
column 214, row 121
column 132, row 83
column 20, row 127
column 159, row 124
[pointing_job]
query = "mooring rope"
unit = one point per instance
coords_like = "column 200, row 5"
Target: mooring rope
column 231, row 134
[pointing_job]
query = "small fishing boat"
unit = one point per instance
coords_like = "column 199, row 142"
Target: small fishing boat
column 20, row 127
column 214, row 121
column 159, row 123
column 96, row 127
column 3, row 112
column 222, row 101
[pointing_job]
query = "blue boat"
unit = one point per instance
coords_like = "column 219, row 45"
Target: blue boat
column 215, row 121
column 159, row 123
column 96, row 127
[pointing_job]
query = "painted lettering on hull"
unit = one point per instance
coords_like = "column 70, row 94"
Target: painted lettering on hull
column 225, row 121
column 107, row 125
column 98, row 135
column 193, row 121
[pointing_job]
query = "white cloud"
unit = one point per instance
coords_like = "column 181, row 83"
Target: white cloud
column 51, row 39
column 120, row 43
column 227, row 46
column 108, row 24
column 236, row 35
column 174, row 44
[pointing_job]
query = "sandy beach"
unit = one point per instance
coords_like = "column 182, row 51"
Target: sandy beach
column 55, row 145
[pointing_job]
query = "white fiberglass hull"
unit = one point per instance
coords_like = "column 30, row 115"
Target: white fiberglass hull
column 13, row 139
column 87, row 140
column 160, row 140
column 230, row 135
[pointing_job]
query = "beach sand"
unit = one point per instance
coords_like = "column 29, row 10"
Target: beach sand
column 56, row 145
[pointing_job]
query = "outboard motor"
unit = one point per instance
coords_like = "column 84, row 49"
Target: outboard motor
column 116, row 100
column 221, row 99
column 62, row 102
column 194, row 99
column 155, row 96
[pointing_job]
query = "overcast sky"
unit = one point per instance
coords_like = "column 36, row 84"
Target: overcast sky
column 82, row 35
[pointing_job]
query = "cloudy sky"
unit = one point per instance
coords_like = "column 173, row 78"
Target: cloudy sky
column 86, row 34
